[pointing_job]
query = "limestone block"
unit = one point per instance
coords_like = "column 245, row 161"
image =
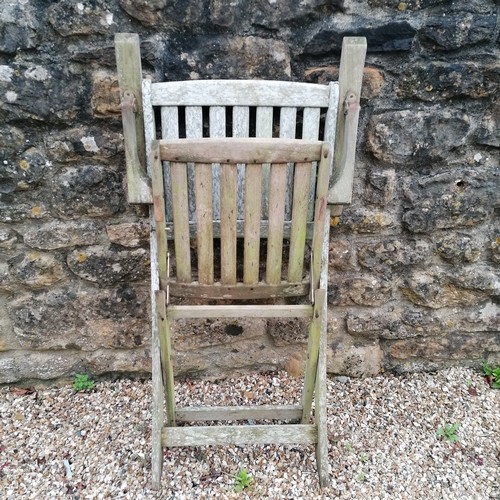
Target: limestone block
column 354, row 357
column 445, row 80
column 341, row 255
column 8, row 239
column 382, row 35
column 12, row 139
column 11, row 210
column 105, row 100
column 460, row 247
column 495, row 247
column 80, row 18
column 410, row 137
column 458, row 30
column 362, row 291
column 373, row 79
column 363, row 220
column 148, row 12
column 63, row 234
column 488, row 132
column 37, row 270
column 19, row 24
column 129, row 234
column 87, row 319
column 393, row 256
column 24, row 172
column 91, row 142
column 457, row 197
column 449, row 348
column 16, row 366
column 224, row 57
column 380, row 187
column 439, row 290
column 108, row 266
column 91, row 190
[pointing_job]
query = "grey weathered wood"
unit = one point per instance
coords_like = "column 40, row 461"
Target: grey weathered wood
column 239, row 435
column 264, row 129
column 159, row 210
column 320, row 391
column 239, row 291
column 194, row 130
column 169, row 130
column 166, row 355
column 128, row 62
column 239, row 93
column 217, row 129
column 204, row 220
column 240, row 229
column 149, row 120
column 231, row 150
column 251, row 258
column 241, row 128
column 310, row 131
column 288, row 123
column 352, row 62
column 178, row 173
column 313, row 353
column 260, row 311
column 301, row 185
column 261, row 412
column 228, row 214
column 277, row 195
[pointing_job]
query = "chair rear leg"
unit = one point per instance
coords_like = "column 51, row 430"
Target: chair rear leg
column 321, row 404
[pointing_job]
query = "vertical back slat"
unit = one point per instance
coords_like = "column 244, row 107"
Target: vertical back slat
column 301, row 185
column 217, row 128
column 288, row 119
column 169, row 130
column 320, row 210
column 241, row 128
column 310, row 130
column 194, row 130
column 204, row 220
column 178, row 173
column 277, row 192
column 228, row 214
column 264, row 128
column 159, row 209
column 253, row 190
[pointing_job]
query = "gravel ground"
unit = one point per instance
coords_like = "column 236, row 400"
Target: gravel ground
column 383, row 442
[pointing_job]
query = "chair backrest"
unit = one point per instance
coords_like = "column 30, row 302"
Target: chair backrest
column 238, row 109
column 224, row 158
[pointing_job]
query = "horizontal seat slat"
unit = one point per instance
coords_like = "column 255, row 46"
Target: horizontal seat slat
column 239, row 291
column 259, row 311
column 239, row 435
column 261, row 412
column 239, row 93
column 233, row 150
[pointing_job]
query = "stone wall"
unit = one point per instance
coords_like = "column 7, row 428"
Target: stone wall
column 414, row 281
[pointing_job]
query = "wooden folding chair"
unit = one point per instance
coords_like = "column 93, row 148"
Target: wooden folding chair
column 199, row 193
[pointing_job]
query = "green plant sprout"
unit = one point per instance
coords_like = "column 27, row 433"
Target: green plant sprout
column 449, row 432
column 242, row 480
column 492, row 374
column 83, row 383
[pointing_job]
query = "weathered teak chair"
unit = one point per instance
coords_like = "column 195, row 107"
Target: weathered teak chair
column 261, row 182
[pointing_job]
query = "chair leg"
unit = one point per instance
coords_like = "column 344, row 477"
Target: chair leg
column 312, row 354
column 321, row 404
column 158, row 408
column 166, row 356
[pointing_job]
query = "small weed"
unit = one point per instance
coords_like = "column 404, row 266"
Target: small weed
column 349, row 448
column 363, row 457
column 83, row 383
column 361, row 476
column 469, row 382
column 492, row 375
column 449, row 432
column 242, row 480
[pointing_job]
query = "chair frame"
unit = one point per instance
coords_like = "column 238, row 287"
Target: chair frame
column 139, row 97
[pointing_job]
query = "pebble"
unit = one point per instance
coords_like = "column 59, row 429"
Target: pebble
column 383, row 442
